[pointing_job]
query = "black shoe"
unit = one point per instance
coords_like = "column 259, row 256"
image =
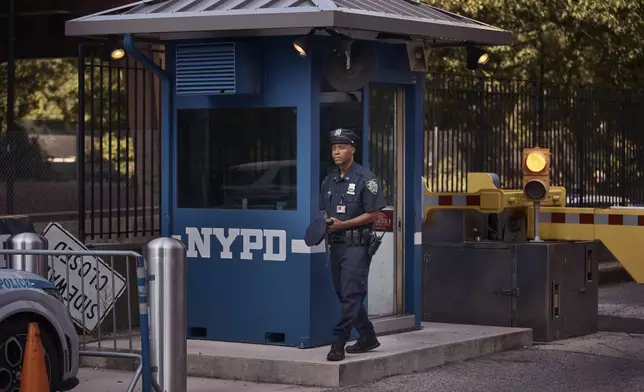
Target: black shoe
column 364, row 344
column 336, row 353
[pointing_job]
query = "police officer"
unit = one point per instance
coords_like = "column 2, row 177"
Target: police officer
column 351, row 198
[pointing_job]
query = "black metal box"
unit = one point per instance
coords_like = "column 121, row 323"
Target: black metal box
column 550, row 287
column 455, row 226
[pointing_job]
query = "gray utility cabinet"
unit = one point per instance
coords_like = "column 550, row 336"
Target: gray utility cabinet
column 550, row 287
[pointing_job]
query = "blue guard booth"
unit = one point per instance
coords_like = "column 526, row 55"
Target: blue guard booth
column 250, row 91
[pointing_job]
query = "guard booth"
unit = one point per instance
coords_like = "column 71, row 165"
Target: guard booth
column 251, row 90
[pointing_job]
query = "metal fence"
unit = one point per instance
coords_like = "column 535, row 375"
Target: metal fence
column 119, row 146
column 103, row 303
column 102, row 167
column 37, row 171
column 482, row 124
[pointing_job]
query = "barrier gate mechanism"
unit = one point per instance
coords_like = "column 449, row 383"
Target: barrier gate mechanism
column 620, row 229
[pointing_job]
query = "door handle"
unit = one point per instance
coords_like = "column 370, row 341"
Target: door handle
column 589, row 266
column 556, row 300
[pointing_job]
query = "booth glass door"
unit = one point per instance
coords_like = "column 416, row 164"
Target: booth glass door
column 386, row 160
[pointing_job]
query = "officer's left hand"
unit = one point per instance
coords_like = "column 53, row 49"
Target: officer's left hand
column 337, row 225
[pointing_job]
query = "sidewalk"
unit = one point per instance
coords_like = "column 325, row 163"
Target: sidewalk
column 95, row 380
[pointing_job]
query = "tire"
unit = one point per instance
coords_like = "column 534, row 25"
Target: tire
column 13, row 340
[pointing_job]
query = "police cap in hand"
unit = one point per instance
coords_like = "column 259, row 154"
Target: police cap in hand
column 315, row 232
column 344, row 136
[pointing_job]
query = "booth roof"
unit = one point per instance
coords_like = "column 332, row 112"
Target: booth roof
column 154, row 18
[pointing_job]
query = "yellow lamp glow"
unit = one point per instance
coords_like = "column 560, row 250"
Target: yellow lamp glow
column 299, row 49
column 535, row 162
column 118, row 54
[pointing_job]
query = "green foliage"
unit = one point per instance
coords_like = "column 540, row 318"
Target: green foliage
column 118, row 152
column 47, row 89
column 570, row 41
column 44, row 89
column 483, row 124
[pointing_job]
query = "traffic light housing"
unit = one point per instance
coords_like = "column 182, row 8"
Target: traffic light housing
column 536, row 173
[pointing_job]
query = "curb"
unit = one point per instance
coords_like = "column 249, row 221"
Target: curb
column 434, row 345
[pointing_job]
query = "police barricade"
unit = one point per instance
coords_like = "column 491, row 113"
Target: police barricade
column 90, row 288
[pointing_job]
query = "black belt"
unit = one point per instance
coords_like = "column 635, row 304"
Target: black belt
column 355, row 237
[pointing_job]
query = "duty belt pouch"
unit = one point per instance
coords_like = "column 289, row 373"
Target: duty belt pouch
column 338, row 238
column 374, row 243
column 356, row 238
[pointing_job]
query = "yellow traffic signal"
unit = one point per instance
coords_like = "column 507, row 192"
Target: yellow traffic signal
column 536, row 173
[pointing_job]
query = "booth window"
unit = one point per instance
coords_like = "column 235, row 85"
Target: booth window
column 240, row 158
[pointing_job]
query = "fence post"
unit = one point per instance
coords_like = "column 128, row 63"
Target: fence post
column 166, row 260
column 36, row 264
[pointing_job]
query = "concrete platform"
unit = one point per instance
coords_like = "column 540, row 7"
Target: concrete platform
column 434, row 345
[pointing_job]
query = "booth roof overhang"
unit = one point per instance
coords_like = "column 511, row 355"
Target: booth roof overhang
column 185, row 19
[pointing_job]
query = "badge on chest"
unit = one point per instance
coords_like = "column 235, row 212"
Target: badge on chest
column 351, row 190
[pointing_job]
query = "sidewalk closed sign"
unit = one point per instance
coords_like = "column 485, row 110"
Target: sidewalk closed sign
column 87, row 283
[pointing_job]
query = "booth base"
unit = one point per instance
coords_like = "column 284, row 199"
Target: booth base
column 400, row 353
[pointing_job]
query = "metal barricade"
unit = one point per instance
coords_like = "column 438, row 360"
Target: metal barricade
column 87, row 270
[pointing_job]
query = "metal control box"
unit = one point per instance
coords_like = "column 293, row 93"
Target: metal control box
column 550, row 287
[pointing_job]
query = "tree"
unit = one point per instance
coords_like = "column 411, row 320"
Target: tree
column 566, row 41
column 44, row 89
column 593, row 131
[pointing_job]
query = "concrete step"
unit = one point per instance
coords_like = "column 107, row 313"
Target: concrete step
column 434, row 345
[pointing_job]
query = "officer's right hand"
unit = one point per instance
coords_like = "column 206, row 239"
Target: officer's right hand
column 336, row 225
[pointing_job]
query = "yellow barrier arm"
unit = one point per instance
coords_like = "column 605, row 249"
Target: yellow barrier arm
column 621, row 230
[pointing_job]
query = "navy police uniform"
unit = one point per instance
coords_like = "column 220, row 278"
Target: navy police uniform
column 347, row 197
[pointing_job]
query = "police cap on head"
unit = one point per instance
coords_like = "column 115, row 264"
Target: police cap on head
column 344, row 136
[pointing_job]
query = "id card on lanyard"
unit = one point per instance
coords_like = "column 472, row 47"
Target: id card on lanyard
column 341, row 208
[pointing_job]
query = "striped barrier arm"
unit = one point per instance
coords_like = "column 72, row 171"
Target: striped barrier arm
column 592, row 218
column 621, row 231
column 452, row 200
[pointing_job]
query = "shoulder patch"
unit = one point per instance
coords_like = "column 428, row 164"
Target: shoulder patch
column 372, row 185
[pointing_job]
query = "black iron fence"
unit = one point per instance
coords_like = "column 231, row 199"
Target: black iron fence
column 471, row 124
column 595, row 136
column 119, row 146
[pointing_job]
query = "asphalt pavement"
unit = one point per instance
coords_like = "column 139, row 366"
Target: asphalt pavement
column 98, row 380
column 602, row 362
column 599, row 363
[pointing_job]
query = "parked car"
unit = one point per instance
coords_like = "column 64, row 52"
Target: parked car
column 25, row 298
column 261, row 185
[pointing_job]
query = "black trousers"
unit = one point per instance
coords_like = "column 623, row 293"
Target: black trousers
column 350, row 272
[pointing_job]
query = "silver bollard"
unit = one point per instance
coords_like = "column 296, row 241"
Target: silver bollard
column 36, row 264
column 166, row 261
